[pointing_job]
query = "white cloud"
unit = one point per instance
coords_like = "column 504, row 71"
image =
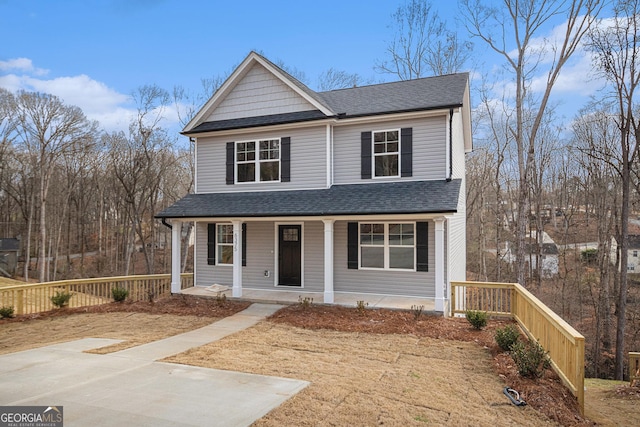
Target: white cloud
column 24, row 65
column 99, row 102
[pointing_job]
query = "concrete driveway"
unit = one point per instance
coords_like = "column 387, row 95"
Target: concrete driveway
column 131, row 388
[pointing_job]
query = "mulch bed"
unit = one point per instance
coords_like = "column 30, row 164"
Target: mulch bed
column 181, row 305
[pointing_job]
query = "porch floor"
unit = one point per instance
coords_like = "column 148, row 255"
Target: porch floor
column 340, row 298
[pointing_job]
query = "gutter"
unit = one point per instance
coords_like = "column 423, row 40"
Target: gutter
column 165, row 223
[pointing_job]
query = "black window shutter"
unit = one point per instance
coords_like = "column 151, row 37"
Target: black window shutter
column 422, row 246
column 211, row 244
column 230, row 163
column 352, row 245
column 406, row 151
column 244, row 244
column 285, row 159
column 365, row 141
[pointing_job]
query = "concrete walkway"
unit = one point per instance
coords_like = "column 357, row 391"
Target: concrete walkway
column 132, row 388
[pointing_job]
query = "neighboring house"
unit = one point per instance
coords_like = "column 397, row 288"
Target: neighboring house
column 548, row 254
column 9, row 249
column 633, row 257
column 358, row 190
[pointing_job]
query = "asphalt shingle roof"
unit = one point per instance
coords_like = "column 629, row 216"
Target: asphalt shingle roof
column 410, row 95
column 404, row 197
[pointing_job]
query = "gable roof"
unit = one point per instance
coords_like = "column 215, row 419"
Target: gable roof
column 407, row 197
column 429, row 93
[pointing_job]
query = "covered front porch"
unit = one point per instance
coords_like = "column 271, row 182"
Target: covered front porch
column 340, row 298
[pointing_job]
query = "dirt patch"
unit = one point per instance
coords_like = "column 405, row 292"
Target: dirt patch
column 135, row 323
column 612, row 403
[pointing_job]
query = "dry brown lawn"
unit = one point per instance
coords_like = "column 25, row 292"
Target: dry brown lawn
column 369, row 379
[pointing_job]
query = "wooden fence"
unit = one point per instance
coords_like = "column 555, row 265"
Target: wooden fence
column 564, row 344
column 36, row 297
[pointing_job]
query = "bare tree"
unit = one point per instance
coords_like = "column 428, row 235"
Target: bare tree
column 596, row 150
column 335, row 79
column 49, row 129
column 423, row 45
column 520, row 22
column 616, row 46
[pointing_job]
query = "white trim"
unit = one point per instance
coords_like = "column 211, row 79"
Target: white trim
column 176, row 284
column 329, row 155
column 386, row 247
column 276, row 251
column 256, row 161
column 374, row 155
column 328, row 260
column 331, row 120
column 217, row 247
column 236, row 290
column 439, row 264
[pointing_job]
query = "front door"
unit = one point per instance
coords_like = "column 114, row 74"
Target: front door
column 290, row 255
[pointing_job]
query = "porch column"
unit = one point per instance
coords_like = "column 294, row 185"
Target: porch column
column 237, row 259
column 439, row 261
column 176, row 228
column 328, row 260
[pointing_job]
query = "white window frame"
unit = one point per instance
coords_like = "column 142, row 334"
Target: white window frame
column 219, row 244
column 387, row 246
column 257, row 161
column 374, row 154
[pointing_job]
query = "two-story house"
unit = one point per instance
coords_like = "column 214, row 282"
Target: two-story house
column 358, row 190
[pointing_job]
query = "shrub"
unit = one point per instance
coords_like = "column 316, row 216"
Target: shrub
column 417, row 311
column 530, row 358
column 507, row 336
column 119, row 294
column 305, row 302
column 478, row 319
column 221, row 299
column 590, row 256
column 61, row 299
column 6, row 312
column 361, row 306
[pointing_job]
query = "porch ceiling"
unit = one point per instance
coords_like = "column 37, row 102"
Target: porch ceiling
column 407, row 197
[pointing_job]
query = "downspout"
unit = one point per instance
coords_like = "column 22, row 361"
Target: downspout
column 450, row 144
column 165, row 223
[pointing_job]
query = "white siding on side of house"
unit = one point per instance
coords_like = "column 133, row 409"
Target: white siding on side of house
column 259, row 93
column 308, row 161
column 429, row 149
column 404, row 283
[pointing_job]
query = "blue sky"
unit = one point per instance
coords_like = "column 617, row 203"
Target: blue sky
column 95, row 53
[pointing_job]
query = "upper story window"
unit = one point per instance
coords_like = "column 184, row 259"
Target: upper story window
column 258, row 160
column 386, row 153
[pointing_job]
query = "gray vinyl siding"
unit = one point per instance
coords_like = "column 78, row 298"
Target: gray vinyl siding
column 308, row 161
column 314, row 256
column 205, row 274
column 261, row 252
column 405, row 283
column 429, row 149
column 259, row 93
column 260, row 256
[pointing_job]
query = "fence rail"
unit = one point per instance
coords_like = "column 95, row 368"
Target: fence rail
column 36, row 297
column 564, row 344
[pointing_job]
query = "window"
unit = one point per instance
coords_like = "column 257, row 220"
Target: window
column 635, row 254
column 224, row 244
column 386, row 146
column 258, row 160
column 387, row 245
